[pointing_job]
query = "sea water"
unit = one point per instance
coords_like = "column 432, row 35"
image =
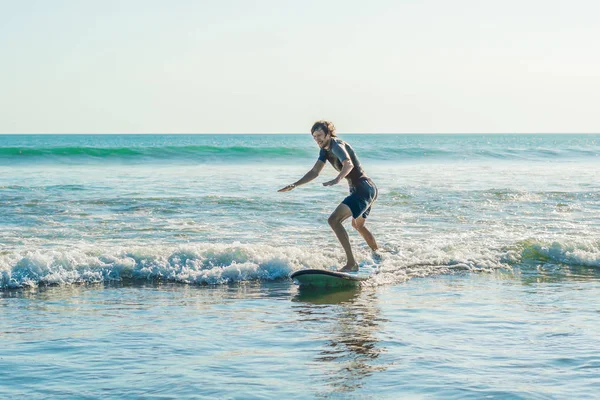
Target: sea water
column 157, row 266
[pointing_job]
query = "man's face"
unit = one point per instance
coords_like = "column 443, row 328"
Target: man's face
column 321, row 138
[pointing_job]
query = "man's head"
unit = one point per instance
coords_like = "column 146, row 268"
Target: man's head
column 322, row 131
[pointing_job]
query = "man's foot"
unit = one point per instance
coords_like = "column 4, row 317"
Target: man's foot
column 349, row 268
column 376, row 255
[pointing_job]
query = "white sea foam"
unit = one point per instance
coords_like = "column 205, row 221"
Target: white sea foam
column 195, row 264
column 218, row 264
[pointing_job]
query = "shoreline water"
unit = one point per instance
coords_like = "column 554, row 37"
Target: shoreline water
column 463, row 335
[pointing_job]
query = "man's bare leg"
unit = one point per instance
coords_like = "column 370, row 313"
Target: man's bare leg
column 341, row 213
column 359, row 225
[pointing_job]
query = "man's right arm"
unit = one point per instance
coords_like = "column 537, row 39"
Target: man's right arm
column 309, row 176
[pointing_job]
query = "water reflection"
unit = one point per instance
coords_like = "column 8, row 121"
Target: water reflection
column 544, row 272
column 345, row 324
column 327, row 296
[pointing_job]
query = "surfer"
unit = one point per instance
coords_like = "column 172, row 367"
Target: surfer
column 363, row 191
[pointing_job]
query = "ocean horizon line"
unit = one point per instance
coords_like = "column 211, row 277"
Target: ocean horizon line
column 297, row 133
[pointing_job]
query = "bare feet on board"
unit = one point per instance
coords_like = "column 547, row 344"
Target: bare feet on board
column 349, row 268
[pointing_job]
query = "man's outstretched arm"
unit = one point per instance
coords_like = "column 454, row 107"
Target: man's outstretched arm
column 309, row 176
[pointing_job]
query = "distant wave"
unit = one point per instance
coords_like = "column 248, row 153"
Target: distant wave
column 149, row 153
column 495, row 153
column 209, row 153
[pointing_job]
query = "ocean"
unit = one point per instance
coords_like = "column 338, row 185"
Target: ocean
column 157, row 266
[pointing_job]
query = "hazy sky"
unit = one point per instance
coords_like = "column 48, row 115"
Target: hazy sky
column 271, row 66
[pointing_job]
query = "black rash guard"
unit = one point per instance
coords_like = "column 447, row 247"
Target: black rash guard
column 338, row 152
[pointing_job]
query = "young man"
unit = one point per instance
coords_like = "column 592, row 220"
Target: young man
column 363, row 191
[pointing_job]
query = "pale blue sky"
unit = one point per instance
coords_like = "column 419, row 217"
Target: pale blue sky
column 274, row 66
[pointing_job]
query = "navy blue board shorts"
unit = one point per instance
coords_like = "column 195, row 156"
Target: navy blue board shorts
column 362, row 196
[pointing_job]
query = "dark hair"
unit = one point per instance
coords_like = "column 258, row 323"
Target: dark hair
column 325, row 126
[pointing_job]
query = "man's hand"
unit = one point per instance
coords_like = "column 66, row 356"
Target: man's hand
column 287, row 188
column 331, row 183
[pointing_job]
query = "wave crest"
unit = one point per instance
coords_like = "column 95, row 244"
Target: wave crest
column 580, row 253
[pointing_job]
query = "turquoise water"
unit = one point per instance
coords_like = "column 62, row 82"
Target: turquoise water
column 156, row 266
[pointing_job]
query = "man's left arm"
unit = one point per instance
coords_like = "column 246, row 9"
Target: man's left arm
column 347, row 166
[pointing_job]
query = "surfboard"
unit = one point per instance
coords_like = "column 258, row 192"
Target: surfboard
column 320, row 278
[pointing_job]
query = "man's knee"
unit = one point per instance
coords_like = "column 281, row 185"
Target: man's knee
column 334, row 220
column 358, row 224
